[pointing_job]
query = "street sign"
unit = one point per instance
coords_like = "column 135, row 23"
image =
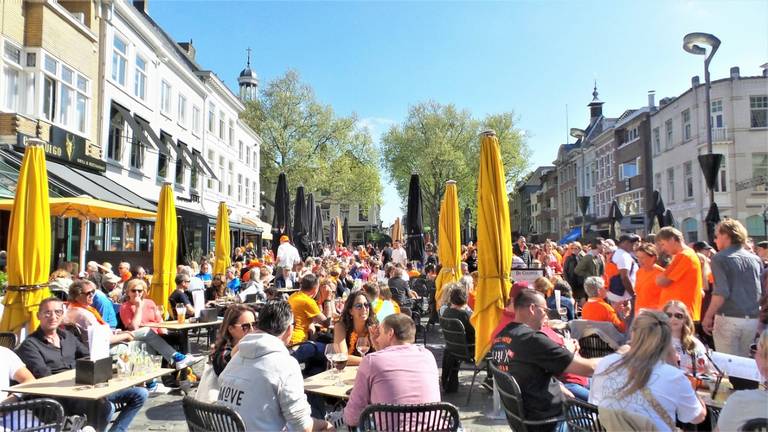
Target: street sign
column 750, row 183
column 528, row 275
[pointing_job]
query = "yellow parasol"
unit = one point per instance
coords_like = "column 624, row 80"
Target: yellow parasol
column 29, row 245
column 494, row 259
column 339, row 232
column 223, row 248
column 397, row 231
column 164, row 249
column 449, row 240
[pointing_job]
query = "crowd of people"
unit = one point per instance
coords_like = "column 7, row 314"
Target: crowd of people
column 663, row 304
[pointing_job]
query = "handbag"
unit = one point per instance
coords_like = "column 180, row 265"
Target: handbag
column 208, row 388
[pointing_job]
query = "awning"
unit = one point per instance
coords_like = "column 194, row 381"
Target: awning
column 138, row 131
column 182, row 150
column 202, row 165
column 88, row 208
column 167, row 141
column 266, row 229
column 572, row 235
column 149, row 136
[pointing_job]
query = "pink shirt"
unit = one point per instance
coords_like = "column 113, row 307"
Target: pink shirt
column 127, row 312
column 399, row 374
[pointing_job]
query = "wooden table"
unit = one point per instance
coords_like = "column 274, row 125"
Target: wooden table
column 325, row 383
column 183, row 330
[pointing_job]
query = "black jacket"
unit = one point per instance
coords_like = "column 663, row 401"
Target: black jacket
column 44, row 359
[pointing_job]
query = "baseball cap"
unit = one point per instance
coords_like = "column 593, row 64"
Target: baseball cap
column 701, row 245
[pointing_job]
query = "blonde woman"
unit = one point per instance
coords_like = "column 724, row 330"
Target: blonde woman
column 642, row 382
column 691, row 352
column 748, row 404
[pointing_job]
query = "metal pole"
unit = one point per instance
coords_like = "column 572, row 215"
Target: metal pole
column 709, row 117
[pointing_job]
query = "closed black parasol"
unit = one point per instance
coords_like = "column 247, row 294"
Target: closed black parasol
column 300, row 224
column 466, row 230
column 712, row 219
column 414, row 223
column 656, row 213
column 310, row 211
column 182, row 246
column 281, row 223
column 319, row 239
column 615, row 217
column 345, row 233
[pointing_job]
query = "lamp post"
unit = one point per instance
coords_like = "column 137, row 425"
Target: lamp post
column 692, row 43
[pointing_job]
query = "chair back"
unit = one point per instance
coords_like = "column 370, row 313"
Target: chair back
column 593, row 346
column 206, row 417
column 713, row 413
column 580, row 328
column 8, row 340
column 511, row 398
column 582, row 416
column 437, row 417
column 456, row 340
column 36, row 415
column 755, row 425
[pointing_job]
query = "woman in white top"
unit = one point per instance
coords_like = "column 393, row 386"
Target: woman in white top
column 641, row 381
column 745, row 405
column 692, row 354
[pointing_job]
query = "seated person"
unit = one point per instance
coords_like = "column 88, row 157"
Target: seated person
column 82, row 314
column 286, row 279
column 106, row 308
column 239, row 320
column 692, row 354
column 233, row 280
column 356, row 318
column 642, row 382
column 399, row 372
column 253, row 286
column 307, row 314
column 263, row 383
column 401, row 292
column 457, row 309
column 13, row 369
column 566, row 298
column 325, row 298
column 217, row 290
column 534, row 360
column 384, row 306
column 596, row 308
column 747, row 404
column 180, row 296
column 51, row 349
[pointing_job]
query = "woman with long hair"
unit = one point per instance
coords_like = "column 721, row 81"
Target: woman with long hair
column 239, row 320
column 356, row 318
column 218, row 288
column 691, row 352
column 642, row 382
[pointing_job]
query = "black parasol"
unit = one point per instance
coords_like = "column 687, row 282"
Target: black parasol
column 182, row 247
column 615, row 217
column 300, row 225
column 310, row 211
column 712, row 219
column 414, row 224
column 332, row 234
column 345, row 233
column 318, row 240
column 281, row 223
column 656, row 213
column 668, row 220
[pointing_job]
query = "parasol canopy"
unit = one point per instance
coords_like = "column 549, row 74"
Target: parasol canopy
column 300, row 224
column 281, row 221
column 449, row 240
column 414, row 223
column 164, row 249
column 223, row 241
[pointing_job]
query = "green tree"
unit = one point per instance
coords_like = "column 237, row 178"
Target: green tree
column 442, row 143
column 311, row 144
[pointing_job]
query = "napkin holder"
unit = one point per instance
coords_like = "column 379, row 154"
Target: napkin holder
column 93, row 372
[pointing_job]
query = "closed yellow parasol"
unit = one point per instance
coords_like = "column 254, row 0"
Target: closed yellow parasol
column 164, row 249
column 223, row 248
column 494, row 258
column 397, row 231
column 339, row 232
column 449, row 240
column 29, row 245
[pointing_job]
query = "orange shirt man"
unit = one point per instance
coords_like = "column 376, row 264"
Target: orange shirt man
column 646, row 290
column 682, row 278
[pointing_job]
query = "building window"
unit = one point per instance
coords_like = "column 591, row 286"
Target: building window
column 115, row 141
column 759, row 111
column 119, row 60
column 137, row 153
column 12, row 77
column 211, row 118
column 670, row 185
column 231, row 183
column 239, row 188
column 65, row 96
column 760, row 168
column 721, row 184
column 325, row 210
column 688, row 179
column 656, row 141
column 756, row 228
column 247, row 157
column 140, row 78
column 194, row 177
column 657, row 182
column 182, row 110
column 691, row 230
column 222, row 178
column 686, row 125
column 668, row 133
column 211, row 162
column 362, row 213
column 162, row 166
column 195, row 119
column 222, row 128
column 627, row 170
column 630, row 135
column 240, row 146
column 231, row 133
column 717, row 114
column 49, row 97
column 248, row 191
column 165, row 97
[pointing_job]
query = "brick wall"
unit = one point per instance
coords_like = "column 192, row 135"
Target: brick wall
column 12, row 20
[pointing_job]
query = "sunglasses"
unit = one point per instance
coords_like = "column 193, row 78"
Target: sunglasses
column 247, row 327
column 362, row 305
column 137, row 290
column 676, row 315
column 51, row 313
column 89, row 293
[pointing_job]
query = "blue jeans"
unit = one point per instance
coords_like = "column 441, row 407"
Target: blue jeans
column 133, row 398
column 579, row 391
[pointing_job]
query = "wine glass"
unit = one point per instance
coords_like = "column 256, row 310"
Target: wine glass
column 363, row 346
column 340, row 361
column 330, row 353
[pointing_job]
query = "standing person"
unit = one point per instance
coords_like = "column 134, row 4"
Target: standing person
column 287, row 254
column 682, row 278
column 732, row 315
column 590, row 264
column 399, row 372
column 263, row 383
column 646, row 290
column 386, row 255
column 625, row 263
column 398, row 254
column 520, row 249
column 575, row 255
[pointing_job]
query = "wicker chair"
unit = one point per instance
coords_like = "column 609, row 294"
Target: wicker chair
column 512, row 402
column 43, row 415
column 593, row 346
column 205, row 417
column 456, row 345
column 8, row 340
column 440, row 416
column 582, row 416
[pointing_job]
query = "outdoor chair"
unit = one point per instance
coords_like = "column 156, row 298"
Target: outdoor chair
column 582, row 416
column 456, row 345
column 714, row 415
column 512, row 402
column 593, row 346
column 43, row 415
column 755, row 425
column 205, row 417
column 433, row 417
column 420, row 327
column 8, row 340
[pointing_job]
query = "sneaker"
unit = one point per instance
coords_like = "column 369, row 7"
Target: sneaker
column 182, row 361
column 152, row 386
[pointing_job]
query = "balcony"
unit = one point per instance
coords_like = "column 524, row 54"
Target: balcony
column 720, row 134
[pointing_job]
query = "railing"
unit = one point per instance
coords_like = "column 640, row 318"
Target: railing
column 719, row 134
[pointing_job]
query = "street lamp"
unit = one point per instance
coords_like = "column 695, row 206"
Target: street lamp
column 692, row 43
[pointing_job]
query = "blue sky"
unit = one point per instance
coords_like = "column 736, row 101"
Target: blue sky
column 531, row 57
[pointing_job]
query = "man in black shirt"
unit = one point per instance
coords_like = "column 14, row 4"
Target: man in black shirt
column 401, row 292
column 179, row 295
column 533, row 359
column 50, row 350
column 386, row 255
column 520, row 249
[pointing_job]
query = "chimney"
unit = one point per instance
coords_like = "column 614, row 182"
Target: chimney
column 764, row 66
column 142, row 5
column 695, row 81
column 188, row 49
column 735, row 72
column 651, row 98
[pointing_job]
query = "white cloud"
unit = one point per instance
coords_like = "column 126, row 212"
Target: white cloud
column 376, row 126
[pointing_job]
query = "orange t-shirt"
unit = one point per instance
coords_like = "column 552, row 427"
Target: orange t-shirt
column 597, row 309
column 685, row 273
column 646, row 289
column 611, row 270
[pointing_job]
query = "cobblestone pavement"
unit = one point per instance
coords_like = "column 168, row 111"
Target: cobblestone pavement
column 163, row 412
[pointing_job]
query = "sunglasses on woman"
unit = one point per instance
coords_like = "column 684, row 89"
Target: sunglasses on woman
column 247, row 327
column 676, row 315
column 362, row 305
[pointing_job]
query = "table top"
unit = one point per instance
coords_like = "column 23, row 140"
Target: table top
column 287, row 290
column 325, row 383
column 63, row 385
column 174, row 325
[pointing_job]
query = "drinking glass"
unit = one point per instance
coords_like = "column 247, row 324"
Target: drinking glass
column 157, row 362
column 340, row 361
column 330, row 353
column 181, row 312
column 563, row 314
column 363, row 345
